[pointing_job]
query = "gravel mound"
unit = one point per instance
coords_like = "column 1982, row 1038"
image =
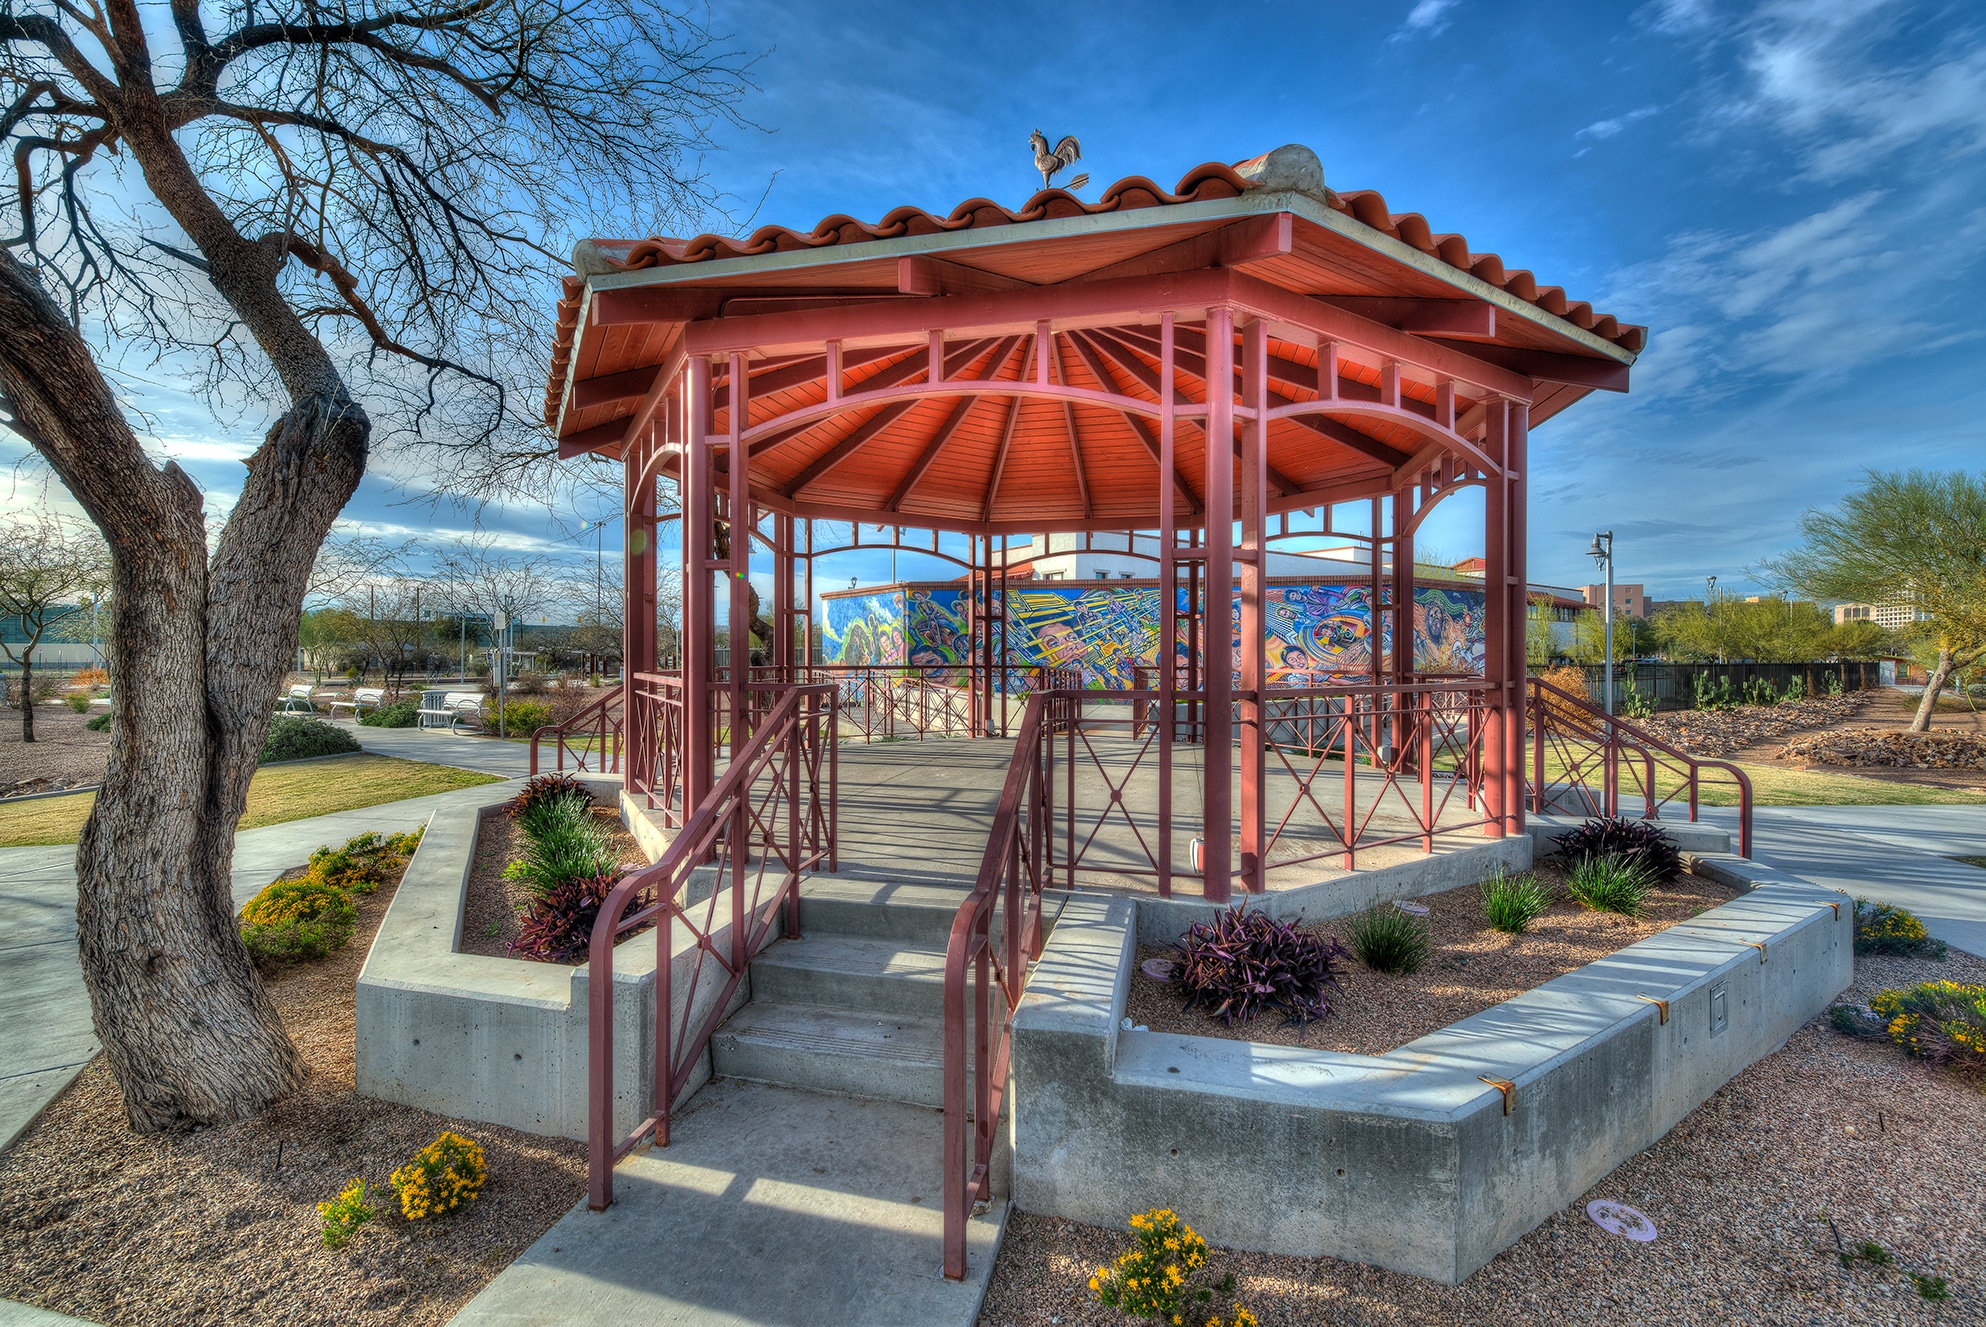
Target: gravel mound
column 1725, row 732
column 1880, row 747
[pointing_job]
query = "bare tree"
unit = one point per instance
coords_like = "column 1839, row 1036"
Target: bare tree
column 351, row 210
column 47, row 565
column 1918, row 538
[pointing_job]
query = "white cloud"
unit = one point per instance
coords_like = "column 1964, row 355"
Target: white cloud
column 1428, row 18
column 1601, row 129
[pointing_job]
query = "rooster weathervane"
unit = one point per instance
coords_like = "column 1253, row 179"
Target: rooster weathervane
column 1065, row 154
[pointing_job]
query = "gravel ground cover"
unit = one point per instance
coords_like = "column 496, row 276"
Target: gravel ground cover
column 1470, row 967
column 494, row 905
column 1891, row 711
column 220, row 1226
column 1827, row 1136
column 1716, row 733
column 64, row 753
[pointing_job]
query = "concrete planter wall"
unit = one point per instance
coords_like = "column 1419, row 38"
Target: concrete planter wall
column 1406, row 1160
column 499, row 1039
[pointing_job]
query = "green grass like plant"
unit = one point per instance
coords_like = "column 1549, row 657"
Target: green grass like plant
column 1386, row 939
column 1609, row 884
column 1513, row 902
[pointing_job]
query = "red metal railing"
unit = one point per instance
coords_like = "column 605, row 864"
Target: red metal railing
column 1586, row 764
column 766, row 822
column 655, row 743
column 602, row 721
column 994, row 937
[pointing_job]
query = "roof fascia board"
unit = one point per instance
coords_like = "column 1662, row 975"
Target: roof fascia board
column 1213, row 210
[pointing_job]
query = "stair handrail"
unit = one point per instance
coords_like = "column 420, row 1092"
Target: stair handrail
column 799, row 726
column 1012, row 871
column 1551, row 705
column 598, row 715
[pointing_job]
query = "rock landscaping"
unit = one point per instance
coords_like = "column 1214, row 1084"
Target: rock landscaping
column 1468, row 967
column 1724, row 732
column 1817, row 1186
column 1885, row 748
column 223, row 1225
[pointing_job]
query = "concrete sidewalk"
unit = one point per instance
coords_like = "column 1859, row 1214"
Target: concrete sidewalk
column 771, row 1206
column 1892, row 854
column 510, row 760
column 46, row 1034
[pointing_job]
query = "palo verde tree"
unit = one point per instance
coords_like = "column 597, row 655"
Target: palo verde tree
column 1917, row 537
column 48, row 565
column 350, row 210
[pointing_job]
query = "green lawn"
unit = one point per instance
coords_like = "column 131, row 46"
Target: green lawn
column 1784, row 785
column 277, row 793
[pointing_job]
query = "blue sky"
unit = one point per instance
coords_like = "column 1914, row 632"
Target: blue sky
column 1790, row 194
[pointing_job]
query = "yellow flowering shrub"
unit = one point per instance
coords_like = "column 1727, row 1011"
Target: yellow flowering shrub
column 1153, row 1278
column 441, row 1177
column 344, row 1214
column 293, row 920
column 1944, row 1021
column 1881, row 928
column 361, row 865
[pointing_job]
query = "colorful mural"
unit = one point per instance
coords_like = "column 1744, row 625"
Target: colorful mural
column 1318, row 634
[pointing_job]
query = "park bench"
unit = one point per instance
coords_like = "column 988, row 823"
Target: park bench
column 297, row 700
column 362, row 698
column 451, row 708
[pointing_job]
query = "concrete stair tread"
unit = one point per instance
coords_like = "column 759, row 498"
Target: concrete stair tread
column 858, row 956
column 822, row 1029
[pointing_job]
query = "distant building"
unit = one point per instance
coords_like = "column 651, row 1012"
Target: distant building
column 1891, row 615
column 1629, row 601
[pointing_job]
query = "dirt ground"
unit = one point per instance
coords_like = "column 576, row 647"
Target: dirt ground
column 1895, row 709
column 64, row 753
column 494, row 905
column 1470, row 967
column 1827, row 1137
column 219, row 1226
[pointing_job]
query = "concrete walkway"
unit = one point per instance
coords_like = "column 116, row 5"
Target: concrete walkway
column 1900, row 855
column 771, row 1206
column 510, row 760
column 46, row 1034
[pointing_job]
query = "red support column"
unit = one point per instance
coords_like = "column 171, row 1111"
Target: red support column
column 1496, row 624
column 699, row 604
column 782, row 594
column 1517, row 569
column 1168, row 609
column 638, row 606
column 1401, row 660
column 738, row 571
column 1217, row 819
column 1254, row 586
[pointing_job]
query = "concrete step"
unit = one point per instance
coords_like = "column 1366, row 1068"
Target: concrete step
column 858, row 1053
column 882, row 976
column 879, row 910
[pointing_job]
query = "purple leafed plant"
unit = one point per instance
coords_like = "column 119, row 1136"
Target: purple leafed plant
column 1633, row 841
column 559, row 925
column 547, row 788
column 1242, row 963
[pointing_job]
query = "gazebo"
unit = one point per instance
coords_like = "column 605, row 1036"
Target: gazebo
column 1247, row 359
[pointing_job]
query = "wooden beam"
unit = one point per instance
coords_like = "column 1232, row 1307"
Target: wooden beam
column 1093, row 357
column 1252, row 240
column 601, row 438
column 1545, row 366
column 936, row 446
column 680, row 304
column 613, row 387
column 1345, row 436
column 1000, row 457
column 1461, row 318
column 849, row 445
column 920, row 274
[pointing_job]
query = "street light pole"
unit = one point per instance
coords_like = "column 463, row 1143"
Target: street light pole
column 1602, row 552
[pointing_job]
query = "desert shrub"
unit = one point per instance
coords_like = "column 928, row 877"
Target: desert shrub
column 344, row 1215
column 99, row 724
column 558, row 926
column 295, row 920
column 400, row 714
column 546, row 788
column 1513, row 902
column 1606, row 883
column 528, row 684
column 1242, row 963
column 361, row 865
column 1796, row 688
column 90, row 677
column 1386, row 939
column 77, row 701
column 1572, row 681
column 1709, row 696
column 1154, row 1277
column 1881, row 928
column 1758, row 691
column 1941, row 1021
column 440, row 1178
column 1634, row 841
column 293, row 737
column 1634, row 704
column 524, row 717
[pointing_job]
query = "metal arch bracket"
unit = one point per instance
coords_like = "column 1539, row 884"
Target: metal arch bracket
column 1506, row 1087
column 1662, row 1005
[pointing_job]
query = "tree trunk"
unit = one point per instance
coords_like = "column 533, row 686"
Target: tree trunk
column 27, row 698
column 1921, row 722
column 202, row 646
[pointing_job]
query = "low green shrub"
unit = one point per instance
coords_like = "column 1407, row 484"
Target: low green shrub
column 441, row 1177
column 293, row 737
column 1881, row 928
column 1386, row 939
column 400, row 714
column 1940, row 1021
column 521, row 718
column 99, row 724
column 343, row 1215
column 567, row 844
column 1513, row 902
column 546, row 788
column 77, row 701
column 296, row 920
column 1155, row 1277
column 1607, row 883
column 361, row 865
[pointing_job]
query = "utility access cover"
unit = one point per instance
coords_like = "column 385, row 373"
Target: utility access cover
column 1619, row 1219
